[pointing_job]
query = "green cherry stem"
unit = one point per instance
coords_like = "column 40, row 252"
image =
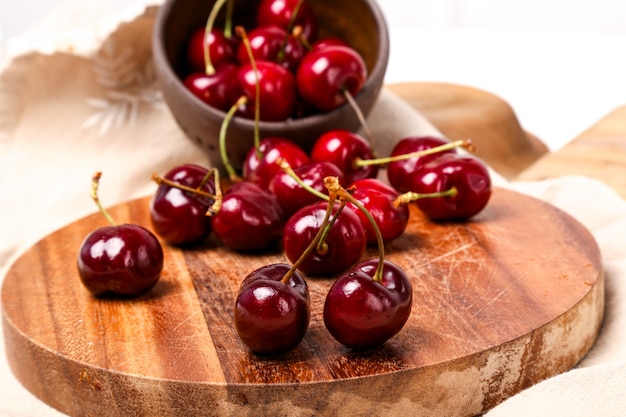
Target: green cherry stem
column 463, row 143
column 209, row 68
column 359, row 114
column 284, row 165
column 294, row 15
column 411, row 196
column 228, row 24
column 332, row 183
column 95, row 182
column 232, row 174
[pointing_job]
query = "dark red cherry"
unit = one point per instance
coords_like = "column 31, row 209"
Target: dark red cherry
column 466, row 173
column 124, row 260
column 220, row 90
column 325, row 74
column 271, row 316
column 262, row 170
column 250, row 218
column 272, row 43
column 221, row 49
column 344, row 149
column 400, row 172
column 326, row 42
column 277, row 93
column 292, row 196
column 345, row 242
column 280, row 13
column 378, row 199
column 362, row 313
column 178, row 216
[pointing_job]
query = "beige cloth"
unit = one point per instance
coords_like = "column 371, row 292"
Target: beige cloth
column 78, row 95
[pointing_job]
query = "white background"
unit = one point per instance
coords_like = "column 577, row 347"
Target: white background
column 561, row 64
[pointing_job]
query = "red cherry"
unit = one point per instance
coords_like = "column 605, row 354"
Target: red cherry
column 292, row 196
column 344, row 244
column 272, row 43
column 179, row 216
column 465, row 173
column 277, row 93
column 378, row 199
column 400, row 172
column 221, row 49
column 280, row 13
column 325, row 74
column 220, row 90
column 326, row 42
column 361, row 312
column 262, row 171
column 272, row 316
column 344, row 148
column 249, row 220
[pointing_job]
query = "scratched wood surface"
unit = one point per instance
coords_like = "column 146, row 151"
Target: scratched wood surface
column 501, row 302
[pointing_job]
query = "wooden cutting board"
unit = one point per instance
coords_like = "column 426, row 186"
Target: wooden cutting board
column 501, row 302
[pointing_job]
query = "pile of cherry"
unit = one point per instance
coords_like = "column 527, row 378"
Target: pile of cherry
column 287, row 56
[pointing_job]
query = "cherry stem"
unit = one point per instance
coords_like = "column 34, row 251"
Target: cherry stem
column 294, row 15
column 217, row 203
column 464, row 143
column 209, row 68
column 284, row 165
column 228, row 24
column 95, row 182
column 359, row 114
column 331, row 203
column 298, row 33
column 332, row 183
column 411, row 196
column 232, row 174
column 322, row 245
column 241, row 32
column 198, row 191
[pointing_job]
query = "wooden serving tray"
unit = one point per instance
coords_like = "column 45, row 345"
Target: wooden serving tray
column 501, row 302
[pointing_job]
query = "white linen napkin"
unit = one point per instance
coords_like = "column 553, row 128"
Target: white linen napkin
column 78, row 95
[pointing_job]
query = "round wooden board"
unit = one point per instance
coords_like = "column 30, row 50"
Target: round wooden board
column 501, row 302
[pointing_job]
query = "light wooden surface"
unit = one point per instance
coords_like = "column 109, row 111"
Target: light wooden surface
column 599, row 152
column 493, row 314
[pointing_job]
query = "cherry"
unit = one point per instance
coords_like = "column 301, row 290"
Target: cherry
column 331, row 41
column 400, row 172
column 345, row 149
column 303, row 185
column 220, row 48
column 125, row 259
column 342, row 247
column 378, row 198
column 260, row 165
column 272, row 309
column 363, row 311
column 287, row 14
column 277, row 91
column 272, row 43
column 326, row 75
column 463, row 182
column 220, row 90
column 250, row 218
column 178, row 208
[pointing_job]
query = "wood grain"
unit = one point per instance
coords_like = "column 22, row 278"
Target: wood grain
column 501, row 302
column 461, row 112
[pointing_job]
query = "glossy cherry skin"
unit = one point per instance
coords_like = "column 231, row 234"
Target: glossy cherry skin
column 221, row 49
column 399, row 172
column 362, row 313
column 377, row 197
column 346, row 240
column 124, row 260
column 272, row 317
column 280, row 12
column 342, row 148
column 250, row 219
column 467, row 173
column 177, row 216
column 324, row 74
column 262, row 170
column 292, row 196
column 220, row 90
column 277, row 93
column 272, row 43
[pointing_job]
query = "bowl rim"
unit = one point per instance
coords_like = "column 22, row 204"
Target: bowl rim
column 377, row 72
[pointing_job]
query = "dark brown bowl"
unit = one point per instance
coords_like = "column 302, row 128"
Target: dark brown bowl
column 359, row 22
